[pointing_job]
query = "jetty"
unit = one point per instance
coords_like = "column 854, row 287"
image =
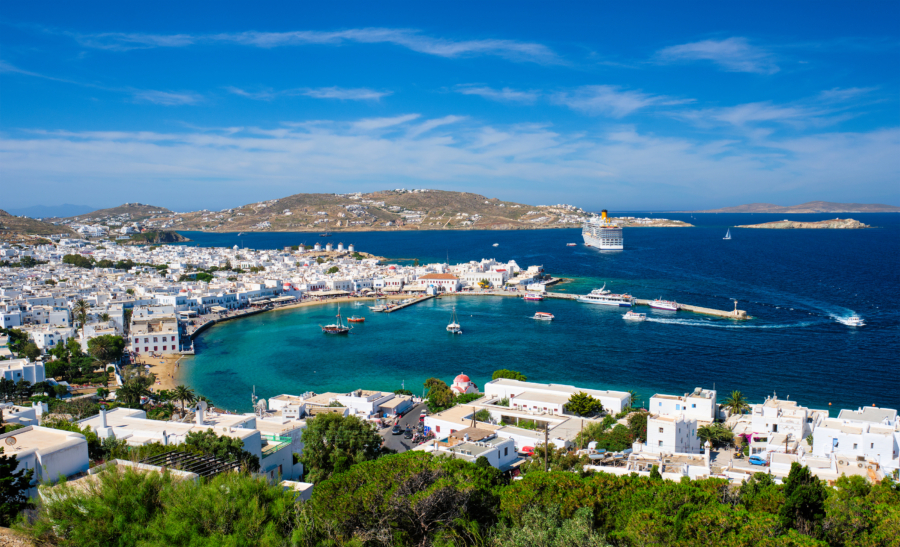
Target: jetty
column 733, row 314
column 409, row 303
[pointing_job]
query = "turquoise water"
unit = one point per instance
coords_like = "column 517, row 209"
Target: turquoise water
column 794, row 283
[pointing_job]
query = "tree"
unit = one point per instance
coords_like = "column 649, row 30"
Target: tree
column 7, row 388
column 716, row 434
column 13, row 485
column 483, row 416
column 438, row 395
column 183, row 395
column 582, row 404
column 78, row 260
column 333, row 443
column 332, row 270
column 804, row 501
column 102, row 392
column 107, row 347
column 207, row 443
column 23, row 390
column 402, row 392
column 546, row 528
column 637, row 426
column 135, row 385
column 736, row 403
column 511, row 374
column 30, row 351
column 80, row 312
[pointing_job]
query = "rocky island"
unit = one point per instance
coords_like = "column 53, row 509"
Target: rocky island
column 836, row 224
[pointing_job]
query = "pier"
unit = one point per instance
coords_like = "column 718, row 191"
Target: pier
column 734, row 314
column 408, row 304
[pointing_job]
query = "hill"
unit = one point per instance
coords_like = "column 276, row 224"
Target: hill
column 809, row 207
column 13, row 227
column 385, row 210
column 129, row 212
column 53, row 211
column 836, row 224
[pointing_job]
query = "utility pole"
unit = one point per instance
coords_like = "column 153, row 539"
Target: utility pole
column 546, row 448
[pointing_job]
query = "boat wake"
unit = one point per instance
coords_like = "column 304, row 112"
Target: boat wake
column 724, row 325
column 845, row 319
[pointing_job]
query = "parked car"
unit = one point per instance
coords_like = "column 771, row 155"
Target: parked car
column 756, row 459
column 527, row 450
column 396, row 430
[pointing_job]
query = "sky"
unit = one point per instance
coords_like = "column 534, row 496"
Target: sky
column 626, row 106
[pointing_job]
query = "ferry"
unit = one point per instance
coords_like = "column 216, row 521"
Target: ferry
column 667, row 305
column 603, row 234
column 533, row 296
column 632, row 316
column 543, row 316
column 496, row 244
column 605, row 298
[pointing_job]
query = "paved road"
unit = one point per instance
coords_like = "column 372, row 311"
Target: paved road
column 397, row 442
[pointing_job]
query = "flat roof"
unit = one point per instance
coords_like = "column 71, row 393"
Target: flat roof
column 36, row 438
column 868, row 414
column 531, row 386
column 550, row 398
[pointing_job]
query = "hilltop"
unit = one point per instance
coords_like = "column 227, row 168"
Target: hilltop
column 836, row 224
column 13, row 227
column 129, row 212
column 809, row 207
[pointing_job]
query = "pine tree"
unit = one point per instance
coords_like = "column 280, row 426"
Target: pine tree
column 13, row 485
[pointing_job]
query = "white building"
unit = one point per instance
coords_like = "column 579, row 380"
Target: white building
column 441, row 281
column 782, row 416
column 672, row 434
column 462, row 384
column 51, row 453
column 869, row 433
column 699, row 404
column 472, row 443
column 613, row 401
column 22, row 369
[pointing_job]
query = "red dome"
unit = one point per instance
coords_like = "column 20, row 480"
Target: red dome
column 462, row 378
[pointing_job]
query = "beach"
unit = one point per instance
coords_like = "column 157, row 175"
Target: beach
column 165, row 368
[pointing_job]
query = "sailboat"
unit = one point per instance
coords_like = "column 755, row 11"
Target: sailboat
column 727, row 234
column 454, row 327
column 337, row 328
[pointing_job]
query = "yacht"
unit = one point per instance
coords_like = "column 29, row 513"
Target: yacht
column 337, row 328
column 854, row 321
column 571, row 244
column 667, row 305
column 543, row 316
column 605, row 298
column 533, row 296
column 727, row 234
column 632, row 316
column 454, row 327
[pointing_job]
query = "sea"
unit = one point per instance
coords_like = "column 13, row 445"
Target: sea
column 798, row 286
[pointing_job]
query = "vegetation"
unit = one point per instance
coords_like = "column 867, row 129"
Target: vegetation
column 13, row 485
column 78, row 260
column 511, row 374
column 402, row 392
column 582, row 404
column 107, row 347
column 637, row 426
column 183, row 395
column 483, row 416
column 717, row 434
column 332, row 270
column 736, row 403
column 333, row 444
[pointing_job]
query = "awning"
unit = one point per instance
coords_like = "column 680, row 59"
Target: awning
column 366, row 290
column 188, row 313
column 416, row 288
column 284, row 299
column 328, row 293
column 391, row 289
column 218, row 309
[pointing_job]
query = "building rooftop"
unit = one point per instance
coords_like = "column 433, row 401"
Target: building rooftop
column 869, row 414
column 40, row 439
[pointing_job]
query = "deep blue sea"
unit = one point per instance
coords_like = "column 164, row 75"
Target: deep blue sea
column 795, row 283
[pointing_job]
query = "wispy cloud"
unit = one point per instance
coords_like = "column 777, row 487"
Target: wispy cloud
column 166, row 98
column 369, row 124
column 732, row 54
column 340, row 93
column 428, row 125
column 411, row 39
column 505, row 94
column 612, row 100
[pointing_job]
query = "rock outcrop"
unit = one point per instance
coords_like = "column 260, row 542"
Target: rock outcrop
column 836, row 224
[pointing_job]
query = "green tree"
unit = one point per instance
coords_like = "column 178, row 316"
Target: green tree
column 804, row 501
column 13, row 487
column 333, row 443
column 30, row 351
column 582, row 404
column 545, row 527
column 511, row 374
column 483, row 416
column 80, row 312
column 402, row 392
column 736, row 403
column 107, row 347
column 78, row 260
column 637, row 426
column 332, row 270
column 438, row 395
column 207, row 443
column 102, row 392
column 717, row 434
column 183, row 395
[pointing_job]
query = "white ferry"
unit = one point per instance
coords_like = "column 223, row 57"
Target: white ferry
column 605, row 298
column 534, row 296
column 603, row 234
column 632, row 316
column 543, row 316
column 667, row 305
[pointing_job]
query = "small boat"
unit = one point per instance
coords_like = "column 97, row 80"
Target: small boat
column 854, row 321
column 326, row 234
column 240, row 234
column 727, row 234
column 496, row 244
column 632, row 316
column 534, row 296
column 571, row 244
column 356, row 319
column 454, row 327
column 543, row 316
column 377, row 308
column 337, row 328
column 667, row 305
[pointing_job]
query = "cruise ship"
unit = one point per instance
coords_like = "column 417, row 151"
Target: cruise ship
column 603, row 234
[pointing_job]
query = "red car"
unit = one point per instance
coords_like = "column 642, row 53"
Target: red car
column 527, row 450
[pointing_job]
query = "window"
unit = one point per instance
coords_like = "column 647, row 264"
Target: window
column 146, row 349
column 155, row 348
column 872, row 445
column 506, row 451
column 164, row 348
column 164, row 338
column 854, row 446
column 694, row 405
column 660, row 403
column 155, row 340
column 660, row 443
column 660, row 430
column 146, row 340
column 677, row 407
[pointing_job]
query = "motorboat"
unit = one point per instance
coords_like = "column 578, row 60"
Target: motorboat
column 543, row 316
column 356, row 319
column 854, row 321
column 496, row 245
column 668, row 305
column 534, row 296
column 454, row 327
column 337, row 328
column 571, row 244
column 633, row 316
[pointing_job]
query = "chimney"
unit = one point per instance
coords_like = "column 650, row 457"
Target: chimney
column 200, row 415
column 102, row 417
column 466, row 438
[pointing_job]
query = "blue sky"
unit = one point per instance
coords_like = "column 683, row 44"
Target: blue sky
column 644, row 106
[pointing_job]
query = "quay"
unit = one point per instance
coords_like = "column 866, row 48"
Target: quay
column 734, row 314
column 410, row 303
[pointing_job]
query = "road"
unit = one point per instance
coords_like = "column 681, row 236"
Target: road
column 397, row 442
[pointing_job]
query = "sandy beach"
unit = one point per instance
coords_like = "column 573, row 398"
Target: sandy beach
column 165, row 369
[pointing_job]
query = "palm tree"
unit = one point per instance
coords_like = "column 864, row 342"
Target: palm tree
column 131, row 392
column 183, row 395
column 737, row 404
column 633, row 401
column 104, row 317
column 80, row 312
column 101, row 347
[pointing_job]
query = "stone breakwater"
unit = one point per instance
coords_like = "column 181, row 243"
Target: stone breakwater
column 836, row 224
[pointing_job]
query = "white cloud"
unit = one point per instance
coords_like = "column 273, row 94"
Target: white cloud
column 611, row 100
column 625, row 166
column 732, row 54
column 503, row 95
column 166, row 98
column 410, row 39
column 340, row 93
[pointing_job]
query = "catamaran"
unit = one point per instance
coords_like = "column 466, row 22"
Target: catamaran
column 727, row 234
column 454, row 327
column 337, row 328
column 605, row 298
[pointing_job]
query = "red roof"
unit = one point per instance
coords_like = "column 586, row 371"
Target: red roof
column 460, row 379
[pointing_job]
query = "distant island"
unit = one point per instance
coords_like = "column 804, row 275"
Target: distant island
column 809, row 207
column 836, row 224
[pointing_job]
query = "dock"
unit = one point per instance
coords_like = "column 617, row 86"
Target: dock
column 733, row 314
column 408, row 304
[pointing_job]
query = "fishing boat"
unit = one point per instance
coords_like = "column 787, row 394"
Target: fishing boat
column 543, row 316
column 337, row 328
column 356, row 319
column 534, row 296
column 454, row 327
column 632, row 316
column 854, row 321
column 605, row 298
column 668, row 305
column 727, row 234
